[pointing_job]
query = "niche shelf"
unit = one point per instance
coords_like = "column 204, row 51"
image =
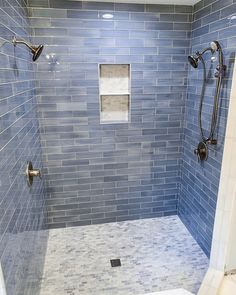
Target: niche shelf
column 114, row 93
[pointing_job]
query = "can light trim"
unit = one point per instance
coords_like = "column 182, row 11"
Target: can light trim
column 107, row 16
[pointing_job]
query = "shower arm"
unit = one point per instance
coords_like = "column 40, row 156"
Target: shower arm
column 15, row 42
column 204, row 51
column 35, row 50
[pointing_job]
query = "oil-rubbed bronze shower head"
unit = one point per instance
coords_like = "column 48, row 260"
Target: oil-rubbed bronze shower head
column 193, row 61
column 35, row 50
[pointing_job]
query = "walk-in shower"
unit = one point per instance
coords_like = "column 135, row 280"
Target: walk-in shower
column 108, row 115
column 202, row 150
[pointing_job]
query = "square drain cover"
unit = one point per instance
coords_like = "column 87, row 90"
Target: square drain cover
column 115, row 262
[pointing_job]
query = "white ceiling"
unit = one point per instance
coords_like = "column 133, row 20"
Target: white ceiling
column 175, row 2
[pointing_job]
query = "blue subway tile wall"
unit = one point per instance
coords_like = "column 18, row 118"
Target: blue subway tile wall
column 111, row 172
column 22, row 208
column 200, row 181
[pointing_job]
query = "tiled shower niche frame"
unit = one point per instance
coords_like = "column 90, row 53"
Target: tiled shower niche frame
column 115, row 92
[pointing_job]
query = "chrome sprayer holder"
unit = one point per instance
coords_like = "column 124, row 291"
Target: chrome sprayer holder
column 31, row 173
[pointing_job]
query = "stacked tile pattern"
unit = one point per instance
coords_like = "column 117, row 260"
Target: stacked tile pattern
column 21, row 207
column 200, row 181
column 113, row 172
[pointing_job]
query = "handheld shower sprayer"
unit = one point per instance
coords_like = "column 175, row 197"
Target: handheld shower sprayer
column 35, row 50
column 215, row 46
column 202, row 149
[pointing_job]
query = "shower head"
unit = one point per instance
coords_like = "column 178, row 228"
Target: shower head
column 193, row 61
column 35, row 50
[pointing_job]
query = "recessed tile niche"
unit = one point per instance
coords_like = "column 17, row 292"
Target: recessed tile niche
column 114, row 87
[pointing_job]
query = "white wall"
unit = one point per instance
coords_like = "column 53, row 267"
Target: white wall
column 2, row 284
column 223, row 253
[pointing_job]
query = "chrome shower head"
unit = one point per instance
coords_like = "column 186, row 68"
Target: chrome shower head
column 35, row 50
column 193, row 60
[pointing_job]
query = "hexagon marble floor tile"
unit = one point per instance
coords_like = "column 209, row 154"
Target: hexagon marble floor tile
column 156, row 255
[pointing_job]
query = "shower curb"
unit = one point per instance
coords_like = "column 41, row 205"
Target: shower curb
column 172, row 292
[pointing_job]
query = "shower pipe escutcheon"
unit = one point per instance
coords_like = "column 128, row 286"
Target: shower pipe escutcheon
column 31, row 173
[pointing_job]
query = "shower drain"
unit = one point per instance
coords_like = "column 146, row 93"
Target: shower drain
column 115, row 262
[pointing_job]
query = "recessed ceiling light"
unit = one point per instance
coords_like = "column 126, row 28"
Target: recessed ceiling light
column 107, row 15
column 232, row 17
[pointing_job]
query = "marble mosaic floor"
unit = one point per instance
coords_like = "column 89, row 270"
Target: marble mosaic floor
column 156, row 254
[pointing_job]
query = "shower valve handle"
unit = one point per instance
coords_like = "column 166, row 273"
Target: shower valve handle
column 196, row 152
column 31, row 173
column 35, row 173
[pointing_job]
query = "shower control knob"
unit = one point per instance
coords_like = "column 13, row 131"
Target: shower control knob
column 31, row 173
column 201, row 151
column 196, row 152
